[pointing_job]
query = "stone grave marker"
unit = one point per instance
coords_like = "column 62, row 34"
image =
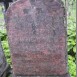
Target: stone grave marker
column 3, row 63
column 37, row 38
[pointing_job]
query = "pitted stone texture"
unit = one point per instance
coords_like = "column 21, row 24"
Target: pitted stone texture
column 66, row 75
column 2, row 61
column 37, row 37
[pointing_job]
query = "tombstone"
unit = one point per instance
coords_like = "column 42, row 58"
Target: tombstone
column 37, row 38
column 3, row 64
column 6, row 3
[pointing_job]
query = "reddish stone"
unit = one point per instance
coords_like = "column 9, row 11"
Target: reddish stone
column 37, row 37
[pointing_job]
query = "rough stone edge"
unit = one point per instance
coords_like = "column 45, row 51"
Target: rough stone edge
column 6, row 71
column 6, row 68
column 66, row 75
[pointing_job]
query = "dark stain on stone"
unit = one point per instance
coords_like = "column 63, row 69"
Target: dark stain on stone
column 33, row 28
column 32, row 2
column 26, row 11
column 39, row 10
column 54, row 33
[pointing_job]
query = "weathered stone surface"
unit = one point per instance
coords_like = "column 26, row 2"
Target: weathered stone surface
column 37, row 37
column 3, row 63
column 66, row 75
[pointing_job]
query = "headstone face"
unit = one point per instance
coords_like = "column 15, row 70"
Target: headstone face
column 37, row 37
column 3, row 63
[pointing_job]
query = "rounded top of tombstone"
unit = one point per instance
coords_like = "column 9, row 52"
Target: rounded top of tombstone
column 20, row 3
